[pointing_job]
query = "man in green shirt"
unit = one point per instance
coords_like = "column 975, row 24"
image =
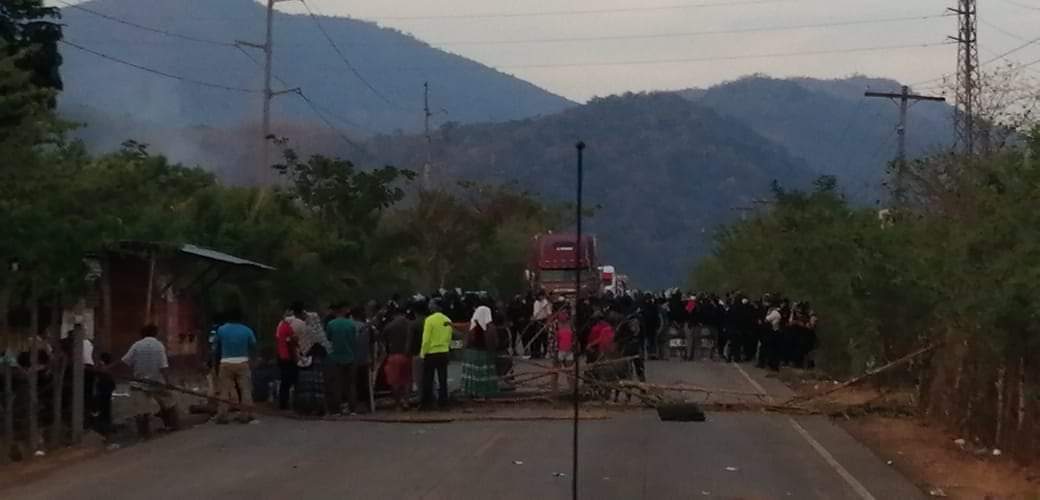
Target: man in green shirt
column 436, row 345
column 341, row 370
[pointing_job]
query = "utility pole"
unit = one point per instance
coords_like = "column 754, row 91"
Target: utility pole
column 904, row 97
column 263, row 175
column 429, row 139
column 969, row 75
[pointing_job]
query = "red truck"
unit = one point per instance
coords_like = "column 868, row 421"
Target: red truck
column 554, row 263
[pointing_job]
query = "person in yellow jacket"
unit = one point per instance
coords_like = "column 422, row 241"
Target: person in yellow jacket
column 435, row 353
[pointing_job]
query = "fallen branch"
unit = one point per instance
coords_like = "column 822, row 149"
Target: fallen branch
column 688, row 388
column 869, row 373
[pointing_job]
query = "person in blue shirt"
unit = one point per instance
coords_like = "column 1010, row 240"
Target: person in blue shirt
column 236, row 343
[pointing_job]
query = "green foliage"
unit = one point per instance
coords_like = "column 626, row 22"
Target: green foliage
column 29, row 33
column 886, row 282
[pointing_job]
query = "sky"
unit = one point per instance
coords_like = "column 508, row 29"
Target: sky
column 643, row 45
column 682, row 55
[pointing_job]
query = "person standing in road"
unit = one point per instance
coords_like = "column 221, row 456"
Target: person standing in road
column 147, row 359
column 417, row 322
column 479, row 378
column 540, row 313
column 236, row 342
column 398, row 367
column 285, row 346
column 435, row 353
column 341, row 371
column 364, row 320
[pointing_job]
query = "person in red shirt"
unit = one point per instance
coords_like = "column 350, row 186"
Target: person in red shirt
column 285, row 346
column 601, row 339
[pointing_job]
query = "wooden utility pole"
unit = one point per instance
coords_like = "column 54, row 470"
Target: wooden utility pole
column 263, row 175
column 429, row 139
column 904, row 97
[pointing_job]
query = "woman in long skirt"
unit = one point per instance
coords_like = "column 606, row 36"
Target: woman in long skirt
column 309, row 396
column 479, row 376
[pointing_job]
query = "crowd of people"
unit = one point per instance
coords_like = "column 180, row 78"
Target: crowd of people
column 333, row 361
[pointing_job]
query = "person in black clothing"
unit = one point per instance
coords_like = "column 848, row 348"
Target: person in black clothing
column 104, row 386
column 650, row 323
column 417, row 315
column 518, row 317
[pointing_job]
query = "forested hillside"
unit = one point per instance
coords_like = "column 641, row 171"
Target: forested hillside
column 393, row 63
column 830, row 125
column 663, row 172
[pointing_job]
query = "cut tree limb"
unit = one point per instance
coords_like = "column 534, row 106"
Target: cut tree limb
column 870, row 373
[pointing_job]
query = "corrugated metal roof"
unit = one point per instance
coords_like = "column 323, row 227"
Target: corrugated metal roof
column 210, row 254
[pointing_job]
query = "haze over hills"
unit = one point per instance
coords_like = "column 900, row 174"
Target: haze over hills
column 663, row 172
column 830, row 125
column 665, row 168
column 392, row 62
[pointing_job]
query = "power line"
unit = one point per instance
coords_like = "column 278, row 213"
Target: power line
column 762, row 29
column 727, row 58
column 343, row 56
column 576, row 12
column 318, row 110
column 1021, row 5
column 162, row 73
column 146, row 28
column 996, row 57
column 1002, row 30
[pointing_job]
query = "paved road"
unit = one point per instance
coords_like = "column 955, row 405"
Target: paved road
column 630, row 456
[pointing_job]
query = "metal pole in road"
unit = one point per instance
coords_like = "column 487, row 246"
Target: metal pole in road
column 575, row 344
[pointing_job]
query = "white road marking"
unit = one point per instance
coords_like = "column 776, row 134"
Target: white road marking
column 824, row 454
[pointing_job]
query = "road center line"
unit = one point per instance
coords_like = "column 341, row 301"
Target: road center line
column 820, row 449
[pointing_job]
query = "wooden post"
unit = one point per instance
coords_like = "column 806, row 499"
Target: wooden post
column 150, row 291
column 106, row 304
column 76, row 421
column 7, row 391
column 58, row 363
column 32, row 409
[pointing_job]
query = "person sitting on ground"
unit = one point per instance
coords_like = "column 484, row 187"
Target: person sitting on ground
column 235, row 381
column 148, row 362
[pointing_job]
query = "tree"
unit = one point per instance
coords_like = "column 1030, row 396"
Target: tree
column 29, row 33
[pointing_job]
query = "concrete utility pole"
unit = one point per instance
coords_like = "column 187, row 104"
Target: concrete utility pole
column 263, row 175
column 429, row 139
column 969, row 76
column 904, row 97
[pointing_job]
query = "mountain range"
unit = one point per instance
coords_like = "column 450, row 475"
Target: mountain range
column 199, row 44
column 664, row 169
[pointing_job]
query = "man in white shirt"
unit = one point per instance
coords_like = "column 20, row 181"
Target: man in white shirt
column 147, row 358
column 539, row 317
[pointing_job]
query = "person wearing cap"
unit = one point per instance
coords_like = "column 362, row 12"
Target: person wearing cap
column 435, row 353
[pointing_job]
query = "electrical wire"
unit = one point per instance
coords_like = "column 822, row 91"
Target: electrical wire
column 1002, row 30
column 763, row 29
column 317, row 111
column 343, row 56
column 162, row 73
column 320, row 112
column 577, row 12
column 1021, row 5
column 171, row 34
column 997, row 57
column 727, row 58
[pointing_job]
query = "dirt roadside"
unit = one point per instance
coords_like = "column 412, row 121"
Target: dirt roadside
column 927, row 454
